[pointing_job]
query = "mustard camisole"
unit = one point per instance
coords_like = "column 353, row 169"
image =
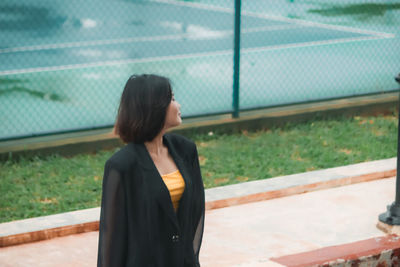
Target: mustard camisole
column 176, row 185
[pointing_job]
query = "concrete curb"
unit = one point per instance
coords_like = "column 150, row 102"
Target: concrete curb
column 242, row 193
column 47, row 227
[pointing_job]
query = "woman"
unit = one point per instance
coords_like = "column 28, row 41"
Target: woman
column 152, row 210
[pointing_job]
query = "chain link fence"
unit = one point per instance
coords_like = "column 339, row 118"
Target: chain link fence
column 64, row 63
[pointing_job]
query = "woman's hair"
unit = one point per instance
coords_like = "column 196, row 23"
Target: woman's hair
column 143, row 108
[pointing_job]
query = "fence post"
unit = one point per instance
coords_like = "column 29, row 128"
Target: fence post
column 392, row 215
column 236, row 60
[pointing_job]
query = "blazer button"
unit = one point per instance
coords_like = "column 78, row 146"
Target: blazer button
column 175, row 238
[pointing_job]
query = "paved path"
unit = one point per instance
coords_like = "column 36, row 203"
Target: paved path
column 248, row 234
column 253, row 233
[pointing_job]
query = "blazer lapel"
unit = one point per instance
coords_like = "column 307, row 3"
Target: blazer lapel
column 156, row 185
column 182, row 165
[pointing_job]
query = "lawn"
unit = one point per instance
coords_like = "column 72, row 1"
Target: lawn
column 36, row 186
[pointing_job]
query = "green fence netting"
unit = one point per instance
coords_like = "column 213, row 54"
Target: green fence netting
column 64, row 63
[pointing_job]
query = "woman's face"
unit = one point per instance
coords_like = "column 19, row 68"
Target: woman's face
column 173, row 117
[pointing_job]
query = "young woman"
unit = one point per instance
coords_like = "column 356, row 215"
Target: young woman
column 152, row 209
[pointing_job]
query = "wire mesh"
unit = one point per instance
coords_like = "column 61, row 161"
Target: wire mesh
column 318, row 50
column 64, row 63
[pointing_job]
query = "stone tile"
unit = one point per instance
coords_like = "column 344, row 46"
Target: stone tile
column 298, row 223
column 73, row 250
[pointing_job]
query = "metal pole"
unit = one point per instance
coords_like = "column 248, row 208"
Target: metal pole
column 392, row 215
column 236, row 60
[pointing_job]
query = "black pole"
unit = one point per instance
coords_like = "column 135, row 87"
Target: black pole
column 392, row 215
column 236, row 60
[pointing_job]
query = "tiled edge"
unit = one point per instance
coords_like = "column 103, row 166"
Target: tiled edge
column 380, row 251
column 44, row 234
column 46, row 227
column 54, row 221
column 299, row 179
column 217, row 204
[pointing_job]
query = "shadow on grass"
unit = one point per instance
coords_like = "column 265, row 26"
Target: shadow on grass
column 363, row 11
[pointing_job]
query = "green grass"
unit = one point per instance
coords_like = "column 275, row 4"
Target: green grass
column 41, row 186
column 298, row 148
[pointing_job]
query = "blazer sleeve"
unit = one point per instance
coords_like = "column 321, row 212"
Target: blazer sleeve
column 112, row 230
column 199, row 208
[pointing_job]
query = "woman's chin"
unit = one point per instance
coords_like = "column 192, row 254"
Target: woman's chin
column 173, row 125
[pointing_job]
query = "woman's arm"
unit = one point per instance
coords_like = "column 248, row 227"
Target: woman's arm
column 112, row 231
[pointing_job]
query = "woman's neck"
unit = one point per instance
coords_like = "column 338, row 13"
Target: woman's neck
column 156, row 146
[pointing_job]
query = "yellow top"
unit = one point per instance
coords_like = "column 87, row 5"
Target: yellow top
column 176, row 185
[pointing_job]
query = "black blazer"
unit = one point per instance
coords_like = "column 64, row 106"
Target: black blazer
column 138, row 225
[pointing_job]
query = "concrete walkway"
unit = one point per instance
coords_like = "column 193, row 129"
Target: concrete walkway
column 252, row 233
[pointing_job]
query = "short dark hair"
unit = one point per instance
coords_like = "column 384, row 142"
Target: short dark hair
column 143, row 108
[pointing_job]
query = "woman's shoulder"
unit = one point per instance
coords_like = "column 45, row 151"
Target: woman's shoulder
column 123, row 158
